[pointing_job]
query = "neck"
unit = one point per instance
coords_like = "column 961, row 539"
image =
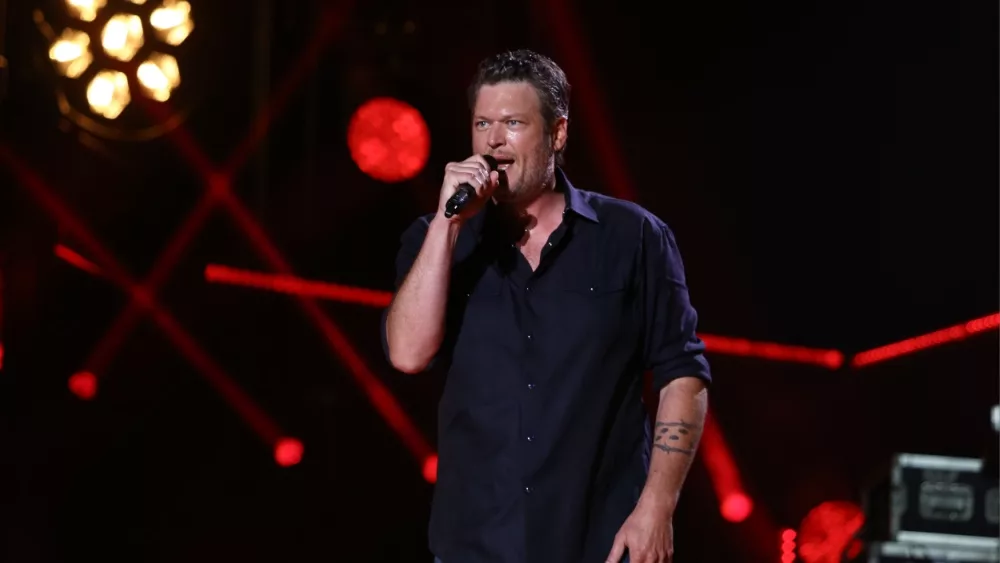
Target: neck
column 544, row 208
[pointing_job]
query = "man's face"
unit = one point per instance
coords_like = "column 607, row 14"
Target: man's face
column 507, row 123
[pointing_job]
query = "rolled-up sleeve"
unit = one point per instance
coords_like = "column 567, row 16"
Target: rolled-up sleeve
column 672, row 348
column 410, row 242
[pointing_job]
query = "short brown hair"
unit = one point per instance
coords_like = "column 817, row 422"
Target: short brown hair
column 528, row 66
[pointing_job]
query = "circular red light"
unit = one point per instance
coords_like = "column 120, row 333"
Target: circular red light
column 736, row 507
column 388, row 140
column 288, row 452
column 83, row 385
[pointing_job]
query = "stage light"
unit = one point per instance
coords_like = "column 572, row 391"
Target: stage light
column 736, row 507
column 431, row 468
column 84, row 10
column 788, row 546
column 159, row 76
column 172, row 22
column 128, row 54
column 71, row 53
column 388, row 140
column 108, row 93
column 827, row 534
column 83, row 385
column 288, row 452
column 122, row 36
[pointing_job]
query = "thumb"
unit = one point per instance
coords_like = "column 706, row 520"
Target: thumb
column 617, row 550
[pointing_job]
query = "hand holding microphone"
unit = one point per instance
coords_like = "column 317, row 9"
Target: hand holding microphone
column 468, row 184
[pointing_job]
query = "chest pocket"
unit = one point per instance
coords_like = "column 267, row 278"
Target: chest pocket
column 593, row 297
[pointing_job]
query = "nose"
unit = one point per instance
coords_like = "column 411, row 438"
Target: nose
column 497, row 137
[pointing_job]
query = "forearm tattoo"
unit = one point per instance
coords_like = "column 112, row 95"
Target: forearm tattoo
column 680, row 437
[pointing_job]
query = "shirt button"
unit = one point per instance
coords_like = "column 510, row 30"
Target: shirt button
column 527, row 490
column 529, row 337
column 531, row 386
column 531, row 438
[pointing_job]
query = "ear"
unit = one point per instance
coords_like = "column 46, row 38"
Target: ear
column 560, row 134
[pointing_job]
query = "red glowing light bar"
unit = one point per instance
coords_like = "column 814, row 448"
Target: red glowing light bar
column 917, row 343
column 831, row 359
column 76, row 259
column 431, row 468
column 373, row 298
column 734, row 504
column 297, row 286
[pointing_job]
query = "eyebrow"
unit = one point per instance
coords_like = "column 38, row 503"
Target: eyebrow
column 504, row 117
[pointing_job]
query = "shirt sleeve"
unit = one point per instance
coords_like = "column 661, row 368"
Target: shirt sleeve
column 672, row 348
column 411, row 241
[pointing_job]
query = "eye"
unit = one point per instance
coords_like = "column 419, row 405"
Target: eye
column 481, row 124
column 513, row 122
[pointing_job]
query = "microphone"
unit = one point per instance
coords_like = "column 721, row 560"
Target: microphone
column 465, row 192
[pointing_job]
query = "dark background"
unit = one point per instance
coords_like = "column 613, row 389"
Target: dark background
column 830, row 170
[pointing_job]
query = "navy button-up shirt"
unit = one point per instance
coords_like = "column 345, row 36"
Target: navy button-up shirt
column 543, row 437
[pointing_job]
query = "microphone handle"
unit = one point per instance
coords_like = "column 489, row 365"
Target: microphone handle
column 465, row 192
column 459, row 199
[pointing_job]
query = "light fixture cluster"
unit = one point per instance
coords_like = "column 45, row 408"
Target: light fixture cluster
column 120, row 38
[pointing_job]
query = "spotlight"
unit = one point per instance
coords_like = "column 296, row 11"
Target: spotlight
column 388, row 139
column 71, row 53
column 111, row 54
column 108, row 93
column 85, row 10
column 122, row 36
column 172, row 22
column 159, row 76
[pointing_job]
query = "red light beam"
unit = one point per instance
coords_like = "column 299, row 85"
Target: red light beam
column 84, row 383
column 831, row 359
column 74, row 258
column 929, row 340
column 293, row 285
column 734, row 504
column 562, row 19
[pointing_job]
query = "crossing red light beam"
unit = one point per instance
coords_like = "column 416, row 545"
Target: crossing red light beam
column 84, row 383
column 925, row 341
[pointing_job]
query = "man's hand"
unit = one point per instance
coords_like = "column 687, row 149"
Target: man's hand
column 474, row 171
column 648, row 536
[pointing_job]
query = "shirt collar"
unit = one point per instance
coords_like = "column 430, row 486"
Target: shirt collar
column 576, row 200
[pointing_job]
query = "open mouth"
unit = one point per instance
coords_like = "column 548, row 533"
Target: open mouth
column 503, row 163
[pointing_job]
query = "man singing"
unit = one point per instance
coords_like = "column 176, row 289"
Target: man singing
column 547, row 304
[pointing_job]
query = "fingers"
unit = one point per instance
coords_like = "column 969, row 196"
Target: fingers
column 459, row 173
column 617, row 550
column 473, row 171
column 477, row 158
